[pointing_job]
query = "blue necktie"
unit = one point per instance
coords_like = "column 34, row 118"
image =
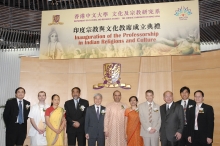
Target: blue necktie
column 20, row 116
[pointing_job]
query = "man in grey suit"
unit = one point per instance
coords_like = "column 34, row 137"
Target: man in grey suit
column 149, row 113
column 94, row 122
column 172, row 121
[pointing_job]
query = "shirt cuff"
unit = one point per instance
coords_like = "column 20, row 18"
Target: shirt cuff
column 148, row 129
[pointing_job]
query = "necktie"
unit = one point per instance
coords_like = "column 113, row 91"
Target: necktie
column 76, row 103
column 97, row 112
column 150, row 113
column 20, row 116
column 197, row 112
column 184, row 108
column 167, row 108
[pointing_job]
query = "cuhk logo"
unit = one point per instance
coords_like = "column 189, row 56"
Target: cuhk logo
column 183, row 13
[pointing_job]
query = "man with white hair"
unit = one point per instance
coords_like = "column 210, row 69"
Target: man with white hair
column 94, row 122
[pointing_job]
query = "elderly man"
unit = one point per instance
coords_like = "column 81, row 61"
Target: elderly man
column 114, row 122
column 94, row 122
column 172, row 121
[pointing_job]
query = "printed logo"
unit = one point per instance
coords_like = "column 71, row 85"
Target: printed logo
column 183, row 13
column 111, row 72
column 56, row 20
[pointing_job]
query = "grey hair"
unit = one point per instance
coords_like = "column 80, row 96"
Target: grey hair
column 97, row 94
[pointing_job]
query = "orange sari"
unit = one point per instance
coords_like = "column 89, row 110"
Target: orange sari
column 133, row 128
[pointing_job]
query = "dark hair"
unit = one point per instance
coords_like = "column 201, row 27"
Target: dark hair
column 77, row 88
column 185, row 88
column 149, row 91
column 41, row 92
column 133, row 97
column 53, row 98
column 19, row 89
column 199, row 92
column 116, row 91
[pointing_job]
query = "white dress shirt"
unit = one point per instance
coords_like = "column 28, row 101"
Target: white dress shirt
column 196, row 117
column 22, row 104
column 99, row 108
column 182, row 102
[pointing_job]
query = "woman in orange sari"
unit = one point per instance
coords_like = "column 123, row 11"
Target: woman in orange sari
column 55, row 120
column 132, row 124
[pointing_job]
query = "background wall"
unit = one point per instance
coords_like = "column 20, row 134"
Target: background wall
column 156, row 73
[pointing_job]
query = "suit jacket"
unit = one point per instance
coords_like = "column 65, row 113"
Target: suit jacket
column 10, row 115
column 172, row 121
column 144, row 118
column 191, row 103
column 73, row 114
column 94, row 126
column 205, row 122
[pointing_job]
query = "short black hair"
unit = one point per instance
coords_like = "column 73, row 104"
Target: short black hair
column 19, row 89
column 77, row 88
column 199, row 92
column 133, row 97
column 150, row 91
column 185, row 88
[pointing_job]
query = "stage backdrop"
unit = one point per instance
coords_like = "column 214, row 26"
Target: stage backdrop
column 142, row 73
column 121, row 31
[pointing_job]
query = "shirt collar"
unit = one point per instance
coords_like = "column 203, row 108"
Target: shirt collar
column 97, row 106
column 19, row 100
column 170, row 104
column 150, row 103
column 199, row 105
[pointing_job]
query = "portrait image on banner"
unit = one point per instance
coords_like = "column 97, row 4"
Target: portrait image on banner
column 121, row 31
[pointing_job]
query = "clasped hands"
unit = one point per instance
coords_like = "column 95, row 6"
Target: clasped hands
column 76, row 124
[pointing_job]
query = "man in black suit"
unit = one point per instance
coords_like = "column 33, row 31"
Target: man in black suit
column 75, row 116
column 15, row 116
column 187, row 105
column 94, row 123
column 201, row 122
column 172, row 121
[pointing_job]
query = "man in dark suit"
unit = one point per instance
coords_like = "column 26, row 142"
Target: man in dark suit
column 187, row 105
column 75, row 116
column 94, row 123
column 201, row 122
column 172, row 121
column 15, row 116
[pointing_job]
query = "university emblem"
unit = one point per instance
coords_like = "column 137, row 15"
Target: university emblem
column 56, row 20
column 111, row 73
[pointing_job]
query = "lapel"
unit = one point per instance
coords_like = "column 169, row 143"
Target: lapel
column 24, row 108
column 16, row 104
column 101, row 115
column 202, row 106
column 171, row 109
column 94, row 112
column 73, row 103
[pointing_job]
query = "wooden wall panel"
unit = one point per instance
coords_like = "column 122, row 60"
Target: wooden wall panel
column 155, row 64
column 204, row 61
column 127, row 64
column 158, row 82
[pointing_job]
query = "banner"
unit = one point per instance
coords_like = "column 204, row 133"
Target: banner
column 121, row 31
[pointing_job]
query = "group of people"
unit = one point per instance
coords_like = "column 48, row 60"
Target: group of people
column 183, row 123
